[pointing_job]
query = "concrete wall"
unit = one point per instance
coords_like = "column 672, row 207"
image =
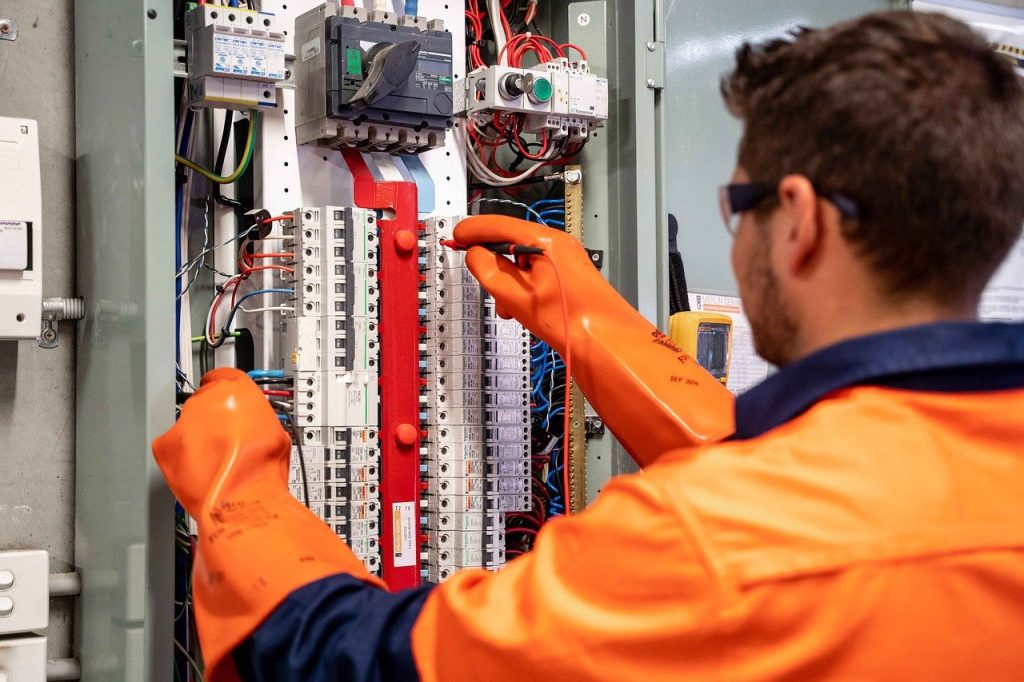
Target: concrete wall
column 37, row 387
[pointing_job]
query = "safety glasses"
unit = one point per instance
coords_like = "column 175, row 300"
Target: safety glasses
column 736, row 199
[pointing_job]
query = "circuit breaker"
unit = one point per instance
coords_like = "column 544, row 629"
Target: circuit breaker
column 476, row 398
column 374, row 81
column 331, row 347
column 21, row 230
column 235, row 57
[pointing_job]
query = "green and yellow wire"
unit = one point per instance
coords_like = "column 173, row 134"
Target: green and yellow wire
column 250, row 145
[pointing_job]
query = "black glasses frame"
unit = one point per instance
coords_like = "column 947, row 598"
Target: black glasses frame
column 738, row 198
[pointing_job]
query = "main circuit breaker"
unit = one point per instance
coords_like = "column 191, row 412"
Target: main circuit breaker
column 331, row 349
column 235, row 57
column 562, row 98
column 374, row 80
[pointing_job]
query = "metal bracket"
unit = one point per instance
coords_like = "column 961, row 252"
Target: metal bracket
column 594, row 426
column 54, row 310
column 8, row 29
column 655, row 65
column 596, row 257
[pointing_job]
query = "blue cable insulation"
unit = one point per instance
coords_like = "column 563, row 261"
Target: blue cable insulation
column 411, row 7
column 267, row 374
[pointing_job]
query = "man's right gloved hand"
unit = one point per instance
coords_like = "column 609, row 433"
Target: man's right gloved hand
column 654, row 397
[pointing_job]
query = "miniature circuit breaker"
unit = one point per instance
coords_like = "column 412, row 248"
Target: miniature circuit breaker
column 373, row 80
column 331, row 347
column 476, row 459
column 235, row 57
column 562, row 98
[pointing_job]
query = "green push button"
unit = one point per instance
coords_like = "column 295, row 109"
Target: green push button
column 542, row 90
column 354, row 61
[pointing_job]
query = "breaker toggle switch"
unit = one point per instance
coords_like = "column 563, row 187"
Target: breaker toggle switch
column 6, row 606
column 6, row 580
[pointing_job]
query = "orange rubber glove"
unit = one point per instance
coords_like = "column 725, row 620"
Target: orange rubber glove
column 226, row 459
column 653, row 396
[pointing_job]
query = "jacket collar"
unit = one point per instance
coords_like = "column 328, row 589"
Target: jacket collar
column 942, row 357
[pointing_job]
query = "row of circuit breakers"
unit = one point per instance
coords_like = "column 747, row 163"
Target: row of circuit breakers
column 376, row 80
column 474, row 400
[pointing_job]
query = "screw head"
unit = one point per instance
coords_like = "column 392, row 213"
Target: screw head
column 151, row 14
column 651, row 83
column 651, row 47
column 5, row 27
column 49, row 335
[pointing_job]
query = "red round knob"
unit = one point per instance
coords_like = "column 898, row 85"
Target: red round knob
column 405, row 435
column 405, row 241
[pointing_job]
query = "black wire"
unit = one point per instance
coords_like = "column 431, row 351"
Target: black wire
column 302, row 456
column 225, row 138
column 263, row 381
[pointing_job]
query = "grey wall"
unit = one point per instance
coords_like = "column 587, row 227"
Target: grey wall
column 37, row 387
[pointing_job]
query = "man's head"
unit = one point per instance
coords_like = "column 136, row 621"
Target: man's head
column 913, row 118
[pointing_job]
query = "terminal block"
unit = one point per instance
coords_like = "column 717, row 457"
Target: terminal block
column 563, row 98
column 235, row 57
column 331, row 348
column 374, row 81
column 476, row 401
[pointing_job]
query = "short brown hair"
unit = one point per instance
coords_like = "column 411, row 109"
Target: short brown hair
column 912, row 116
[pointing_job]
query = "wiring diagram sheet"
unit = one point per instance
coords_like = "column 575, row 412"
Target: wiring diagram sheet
column 1003, row 299
column 746, row 369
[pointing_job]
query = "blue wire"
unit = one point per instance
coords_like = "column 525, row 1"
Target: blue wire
column 411, row 7
column 259, row 292
column 267, row 374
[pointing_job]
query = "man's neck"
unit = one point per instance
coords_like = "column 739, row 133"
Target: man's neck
column 879, row 318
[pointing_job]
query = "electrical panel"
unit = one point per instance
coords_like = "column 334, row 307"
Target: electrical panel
column 21, row 230
column 373, row 80
column 235, row 57
column 562, row 98
column 427, row 430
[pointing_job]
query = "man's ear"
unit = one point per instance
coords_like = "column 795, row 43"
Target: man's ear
column 802, row 235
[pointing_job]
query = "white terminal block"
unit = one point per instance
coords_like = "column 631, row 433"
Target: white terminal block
column 24, row 591
column 21, row 230
column 235, row 57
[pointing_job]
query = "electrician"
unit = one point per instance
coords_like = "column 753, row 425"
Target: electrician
column 862, row 521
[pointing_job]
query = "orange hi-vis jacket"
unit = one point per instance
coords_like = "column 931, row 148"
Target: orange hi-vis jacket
column 866, row 522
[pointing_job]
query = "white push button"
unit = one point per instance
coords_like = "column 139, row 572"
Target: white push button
column 6, row 606
column 6, row 583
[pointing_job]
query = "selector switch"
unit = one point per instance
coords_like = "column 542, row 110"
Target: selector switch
column 6, row 606
column 6, row 582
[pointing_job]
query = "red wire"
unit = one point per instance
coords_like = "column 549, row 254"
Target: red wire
column 279, row 394
column 574, row 46
column 251, row 256
column 277, row 218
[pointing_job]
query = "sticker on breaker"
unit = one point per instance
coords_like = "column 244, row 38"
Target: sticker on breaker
column 403, row 518
column 310, row 49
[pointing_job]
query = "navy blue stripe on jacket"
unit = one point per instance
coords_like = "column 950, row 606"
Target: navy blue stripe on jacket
column 338, row 628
